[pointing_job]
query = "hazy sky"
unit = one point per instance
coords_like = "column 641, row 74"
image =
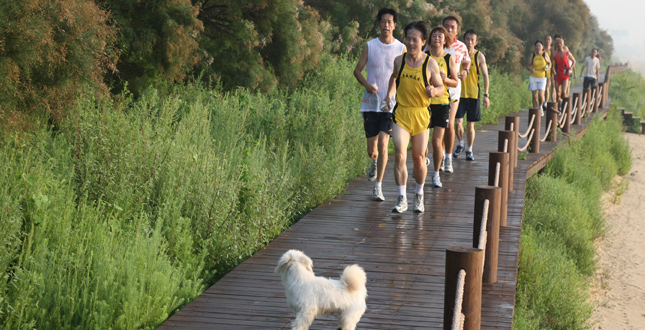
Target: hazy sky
column 625, row 22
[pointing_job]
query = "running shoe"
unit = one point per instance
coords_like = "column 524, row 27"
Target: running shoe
column 469, row 155
column 448, row 166
column 378, row 194
column 371, row 173
column 418, row 203
column 436, row 180
column 402, row 205
column 458, row 151
column 443, row 164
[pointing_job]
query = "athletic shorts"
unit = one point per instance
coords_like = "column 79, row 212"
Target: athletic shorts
column 440, row 115
column 537, row 84
column 455, row 92
column 376, row 122
column 413, row 120
column 560, row 78
column 470, row 107
column 589, row 82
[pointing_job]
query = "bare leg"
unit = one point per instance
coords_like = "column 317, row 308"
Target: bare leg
column 449, row 134
column 401, row 139
column 535, row 99
column 383, row 141
column 470, row 134
column 437, row 147
column 459, row 123
column 419, row 149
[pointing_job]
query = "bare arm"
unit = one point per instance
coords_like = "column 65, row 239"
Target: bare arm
column 436, row 87
column 358, row 72
column 391, row 86
column 484, row 67
column 452, row 82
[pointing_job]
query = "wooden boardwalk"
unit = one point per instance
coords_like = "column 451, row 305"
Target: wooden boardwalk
column 402, row 254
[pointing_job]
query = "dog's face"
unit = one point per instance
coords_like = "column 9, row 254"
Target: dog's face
column 294, row 258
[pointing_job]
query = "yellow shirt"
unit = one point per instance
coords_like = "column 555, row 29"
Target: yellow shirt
column 443, row 66
column 470, row 86
column 539, row 63
column 410, row 87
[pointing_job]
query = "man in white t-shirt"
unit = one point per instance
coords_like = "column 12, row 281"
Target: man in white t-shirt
column 591, row 69
column 377, row 58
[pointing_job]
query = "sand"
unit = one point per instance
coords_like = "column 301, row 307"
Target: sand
column 618, row 291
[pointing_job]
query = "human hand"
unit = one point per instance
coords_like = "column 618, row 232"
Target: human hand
column 486, row 102
column 385, row 104
column 371, row 88
column 430, row 91
column 463, row 75
column 443, row 75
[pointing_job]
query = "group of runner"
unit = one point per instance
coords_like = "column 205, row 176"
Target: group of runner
column 553, row 69
column 430, row 81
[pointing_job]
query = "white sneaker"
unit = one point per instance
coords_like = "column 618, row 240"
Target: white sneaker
column 371, row 173
column 402, row 205
column 443, row 164
column 378, row 194
column 418, row 203
column 448, row 166
column 436, row 180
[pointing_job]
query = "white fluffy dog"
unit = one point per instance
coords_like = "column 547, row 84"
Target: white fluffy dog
column 311, row 296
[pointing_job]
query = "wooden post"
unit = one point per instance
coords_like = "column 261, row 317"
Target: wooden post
column 515, row 120
column 534, row 145
column 494, row 195
column 470, row 260
column 602, row 102
column 595, row 103
column 567, row 113
column 508, row 135
column 551, row 116
column 493, row 159
column 578, row 97
column 628, row 118
column 643, row 127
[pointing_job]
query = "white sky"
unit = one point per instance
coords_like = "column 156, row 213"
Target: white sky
column 625, row 22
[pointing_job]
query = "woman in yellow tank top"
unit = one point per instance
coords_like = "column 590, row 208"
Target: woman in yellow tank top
column 440, row 106
column 414, row 88
column 539, row 64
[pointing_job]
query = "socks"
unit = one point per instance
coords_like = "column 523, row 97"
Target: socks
column 419, row 189
column 469, row 149
column 401, row 190
column 378, row 184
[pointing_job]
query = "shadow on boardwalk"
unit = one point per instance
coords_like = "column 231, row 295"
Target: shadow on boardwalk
column 403, row 254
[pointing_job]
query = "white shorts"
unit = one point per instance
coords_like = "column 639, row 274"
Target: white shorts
column 537, row 84
column 455, row 92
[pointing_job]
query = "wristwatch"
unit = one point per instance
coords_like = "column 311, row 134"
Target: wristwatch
column 486, row 95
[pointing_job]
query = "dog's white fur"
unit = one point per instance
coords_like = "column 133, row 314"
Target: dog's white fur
column 311, row 296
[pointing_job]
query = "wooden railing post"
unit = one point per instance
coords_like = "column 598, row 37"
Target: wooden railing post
column 470, row 260
column 515, row 121
column 502, row 159
column 552, row 117
column 534, row 145
column 494, row 196
column 603, row 99
column 595, row 101
column 567, row 113
column 578, row 100
column 508, row 136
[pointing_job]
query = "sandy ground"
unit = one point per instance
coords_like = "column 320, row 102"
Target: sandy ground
column 619, row 287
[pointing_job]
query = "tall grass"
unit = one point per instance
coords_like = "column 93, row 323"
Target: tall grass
column 562, row 217
column 129, row 209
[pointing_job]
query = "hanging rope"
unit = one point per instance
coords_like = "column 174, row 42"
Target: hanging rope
column 527, row 142
column 458, row 318
column 529, row 129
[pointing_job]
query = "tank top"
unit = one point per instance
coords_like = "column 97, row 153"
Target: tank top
column 561, row 63
column 470, row 87
column 379, row 67
column 548, row 72
column 411, row 86
column 539, row 63
column 443, row 66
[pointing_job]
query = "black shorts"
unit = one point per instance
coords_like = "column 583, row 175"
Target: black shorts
column 471, row 108
column 440, row 115
column 376, row 122
column 589, row 82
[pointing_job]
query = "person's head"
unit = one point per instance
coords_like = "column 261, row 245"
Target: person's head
column 440, row 38
column 594, row 52
column 548, row 40
column 387, row 18
column 416, row 35
column 559, row 42
column 451, row 24
column 538, row 46
column 471, row 39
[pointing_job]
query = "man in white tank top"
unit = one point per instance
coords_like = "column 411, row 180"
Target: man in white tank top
column 377, row 58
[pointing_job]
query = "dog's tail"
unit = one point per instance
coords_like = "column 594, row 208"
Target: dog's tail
column 354, row 278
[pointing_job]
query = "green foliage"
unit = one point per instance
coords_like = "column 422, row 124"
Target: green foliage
column 562, row 217
column 48, row 50
column 129, row 209
column 508, row 94
column 627, row 90
column 157, row 40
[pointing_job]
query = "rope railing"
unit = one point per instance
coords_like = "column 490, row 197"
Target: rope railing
column 561, row 114
column 497, row 168
column 574, row 111
column 593, row 100
column 548, row 131
column 483, row 233
column 522, row 136
column 527, row 142
column 562, row 119
column 458, row 317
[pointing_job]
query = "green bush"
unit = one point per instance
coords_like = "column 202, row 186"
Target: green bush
column 562, row 217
